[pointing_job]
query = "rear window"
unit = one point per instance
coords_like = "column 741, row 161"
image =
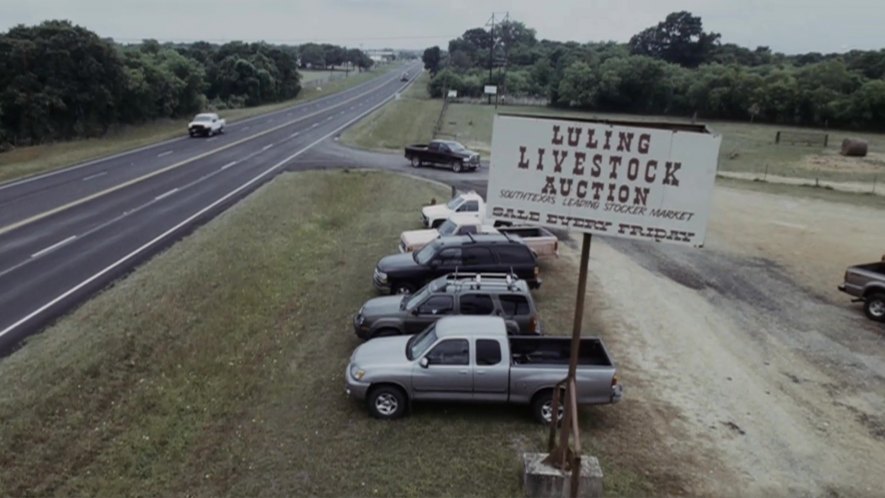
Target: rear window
column 488, row 352
column 513, row 253
column 477, row 304
column 513, row 305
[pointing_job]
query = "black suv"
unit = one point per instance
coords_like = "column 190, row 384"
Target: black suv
column 461, row 294
column 404, row 273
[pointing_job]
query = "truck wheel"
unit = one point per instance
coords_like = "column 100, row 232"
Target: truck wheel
column 542, row 407
column 387, row 402
column 402, row 288
column 436, row 223
column 874, row 307
column 416, row 163
column 457, row 166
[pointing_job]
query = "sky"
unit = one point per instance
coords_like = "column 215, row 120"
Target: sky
column 789, row 26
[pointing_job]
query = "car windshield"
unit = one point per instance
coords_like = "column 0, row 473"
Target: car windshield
column 448, row 228
column 426, row 253
column 418, row 344
column 419, row 297
column 452, row 204
column 203, row 117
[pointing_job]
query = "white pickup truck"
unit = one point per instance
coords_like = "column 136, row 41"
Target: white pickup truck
column 540, row 240
column 467, row 203
column 205, row 124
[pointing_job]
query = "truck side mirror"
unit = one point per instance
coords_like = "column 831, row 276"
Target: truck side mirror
column 424, row 362
column 415, row 311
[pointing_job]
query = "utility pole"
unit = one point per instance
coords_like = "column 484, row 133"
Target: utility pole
column 491, row 49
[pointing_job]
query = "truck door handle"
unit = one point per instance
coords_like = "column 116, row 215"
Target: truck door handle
column 463, row 372
column 480, row 372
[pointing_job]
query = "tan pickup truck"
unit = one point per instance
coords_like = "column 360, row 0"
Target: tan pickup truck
column 540, row 240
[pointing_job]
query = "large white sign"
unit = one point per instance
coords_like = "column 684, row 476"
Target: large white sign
column 647, row 182
column 490, row 90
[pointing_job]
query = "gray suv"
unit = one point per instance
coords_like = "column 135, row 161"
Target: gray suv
column 455, row 294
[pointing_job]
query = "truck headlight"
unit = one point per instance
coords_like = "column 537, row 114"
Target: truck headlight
column 357, row 372
column 382, row 277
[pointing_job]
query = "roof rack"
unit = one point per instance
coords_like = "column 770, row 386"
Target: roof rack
column 470, row 235
column 475, row 280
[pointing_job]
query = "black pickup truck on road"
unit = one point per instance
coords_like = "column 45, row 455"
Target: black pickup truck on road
column 867, row 283
column 445, row 153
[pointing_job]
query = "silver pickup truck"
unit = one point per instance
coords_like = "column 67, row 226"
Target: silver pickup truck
column 867, row 283
column 471, row 358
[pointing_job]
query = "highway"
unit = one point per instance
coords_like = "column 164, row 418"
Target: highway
column 66, row 234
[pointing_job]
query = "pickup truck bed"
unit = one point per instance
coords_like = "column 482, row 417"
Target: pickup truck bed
column 539, row 239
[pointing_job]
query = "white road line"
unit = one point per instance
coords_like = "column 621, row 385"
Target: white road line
column 167, row 194
column 294, row 135
column 246, row 128
column 194, row 216
column 314, row 125
column 52, row 247
column 211, row 139
column 164, row 154
column 329, row 118
column 266, row 147
column 304, row 105
column 228, row 165
column 90, row 177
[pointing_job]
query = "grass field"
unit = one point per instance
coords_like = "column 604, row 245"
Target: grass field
column 745, row 147
column 26, row 161
column 407, row 120
column 217, row 368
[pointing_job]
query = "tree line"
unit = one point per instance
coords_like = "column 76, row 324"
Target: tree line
column 673, row 68
column 60, row 81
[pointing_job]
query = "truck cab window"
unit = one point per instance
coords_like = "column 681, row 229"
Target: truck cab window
column 488, row 352
column 477, row 304
column 450, row 352
column 469, row 207
column 437, row 305
column 450, row 257
column 477, row 256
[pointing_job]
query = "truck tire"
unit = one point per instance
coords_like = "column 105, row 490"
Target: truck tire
column 457, row 166
column 416, row 163
column 542, row 407
column 874, row 306
column 436, row 223
column 402, row 288
column 387, row 402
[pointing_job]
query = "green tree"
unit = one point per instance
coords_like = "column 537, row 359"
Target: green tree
column 432, row 58
column 679, row 39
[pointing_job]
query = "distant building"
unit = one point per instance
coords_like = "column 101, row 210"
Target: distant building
column 383, row 55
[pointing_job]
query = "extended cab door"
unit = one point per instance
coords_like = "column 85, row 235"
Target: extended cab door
column 448, row 374
column 491, row 371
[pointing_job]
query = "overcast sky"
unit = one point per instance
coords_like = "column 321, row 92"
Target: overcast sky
column 789, row 26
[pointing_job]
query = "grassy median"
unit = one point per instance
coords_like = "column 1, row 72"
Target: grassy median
column 217, row 368
column 27, row 161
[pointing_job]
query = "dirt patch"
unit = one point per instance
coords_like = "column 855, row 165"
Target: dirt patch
column 777, row 381
column 832, row 161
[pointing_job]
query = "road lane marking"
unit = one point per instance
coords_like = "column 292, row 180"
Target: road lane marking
column 53, row 247
column 294, row 135
column 295, row 107
column 228, row 165
column 91, row 177
column 266, row 147
column 164, row 154
column 246, row 128
column 314, row 125
column 160, row 171
column 211, row 139
column 167, row 194
column 184, row 223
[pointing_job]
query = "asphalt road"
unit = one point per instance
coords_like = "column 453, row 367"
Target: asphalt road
column 66, row 234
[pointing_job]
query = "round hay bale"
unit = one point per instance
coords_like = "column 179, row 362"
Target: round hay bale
column 853, row 147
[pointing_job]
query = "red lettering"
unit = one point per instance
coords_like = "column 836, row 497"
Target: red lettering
column 625, row 141
column 580, row 157
column 574, row 136
column 523, row 163
column 558, row 158
column 557, row 138
column 644, row 143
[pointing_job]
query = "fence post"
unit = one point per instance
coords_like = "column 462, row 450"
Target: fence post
column 765, row 175
column 826, row 139
column 875, row 179
column 777, row 138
